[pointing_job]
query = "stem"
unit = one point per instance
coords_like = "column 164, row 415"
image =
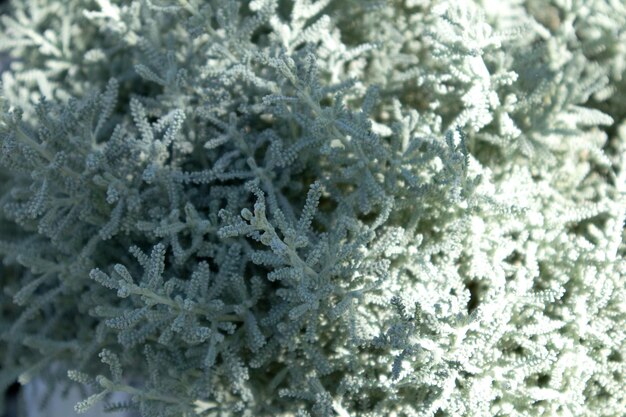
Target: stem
column 44, row 153
column 196, row 309
column 189, row 7
column 150, row 395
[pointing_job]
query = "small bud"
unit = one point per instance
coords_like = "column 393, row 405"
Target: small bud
column 247, row 214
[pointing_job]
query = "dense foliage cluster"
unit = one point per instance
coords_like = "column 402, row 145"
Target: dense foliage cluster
column 316, row 207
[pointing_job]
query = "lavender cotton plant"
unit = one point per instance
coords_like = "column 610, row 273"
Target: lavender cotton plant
column 315, row 208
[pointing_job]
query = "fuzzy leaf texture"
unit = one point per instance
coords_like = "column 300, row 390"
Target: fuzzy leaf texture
column 317, row 208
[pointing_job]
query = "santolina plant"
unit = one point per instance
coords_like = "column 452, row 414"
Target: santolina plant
column 316, row 208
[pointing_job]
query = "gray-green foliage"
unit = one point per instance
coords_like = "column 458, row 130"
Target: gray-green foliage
column 317, row 208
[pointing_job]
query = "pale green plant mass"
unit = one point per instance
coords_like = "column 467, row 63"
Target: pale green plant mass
column 316, row 208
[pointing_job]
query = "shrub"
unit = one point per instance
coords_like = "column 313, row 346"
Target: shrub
column 316, row 208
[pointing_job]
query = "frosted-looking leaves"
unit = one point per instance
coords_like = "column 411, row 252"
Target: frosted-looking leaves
column 109, row 101
column 316, row 208
column 308, row 212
